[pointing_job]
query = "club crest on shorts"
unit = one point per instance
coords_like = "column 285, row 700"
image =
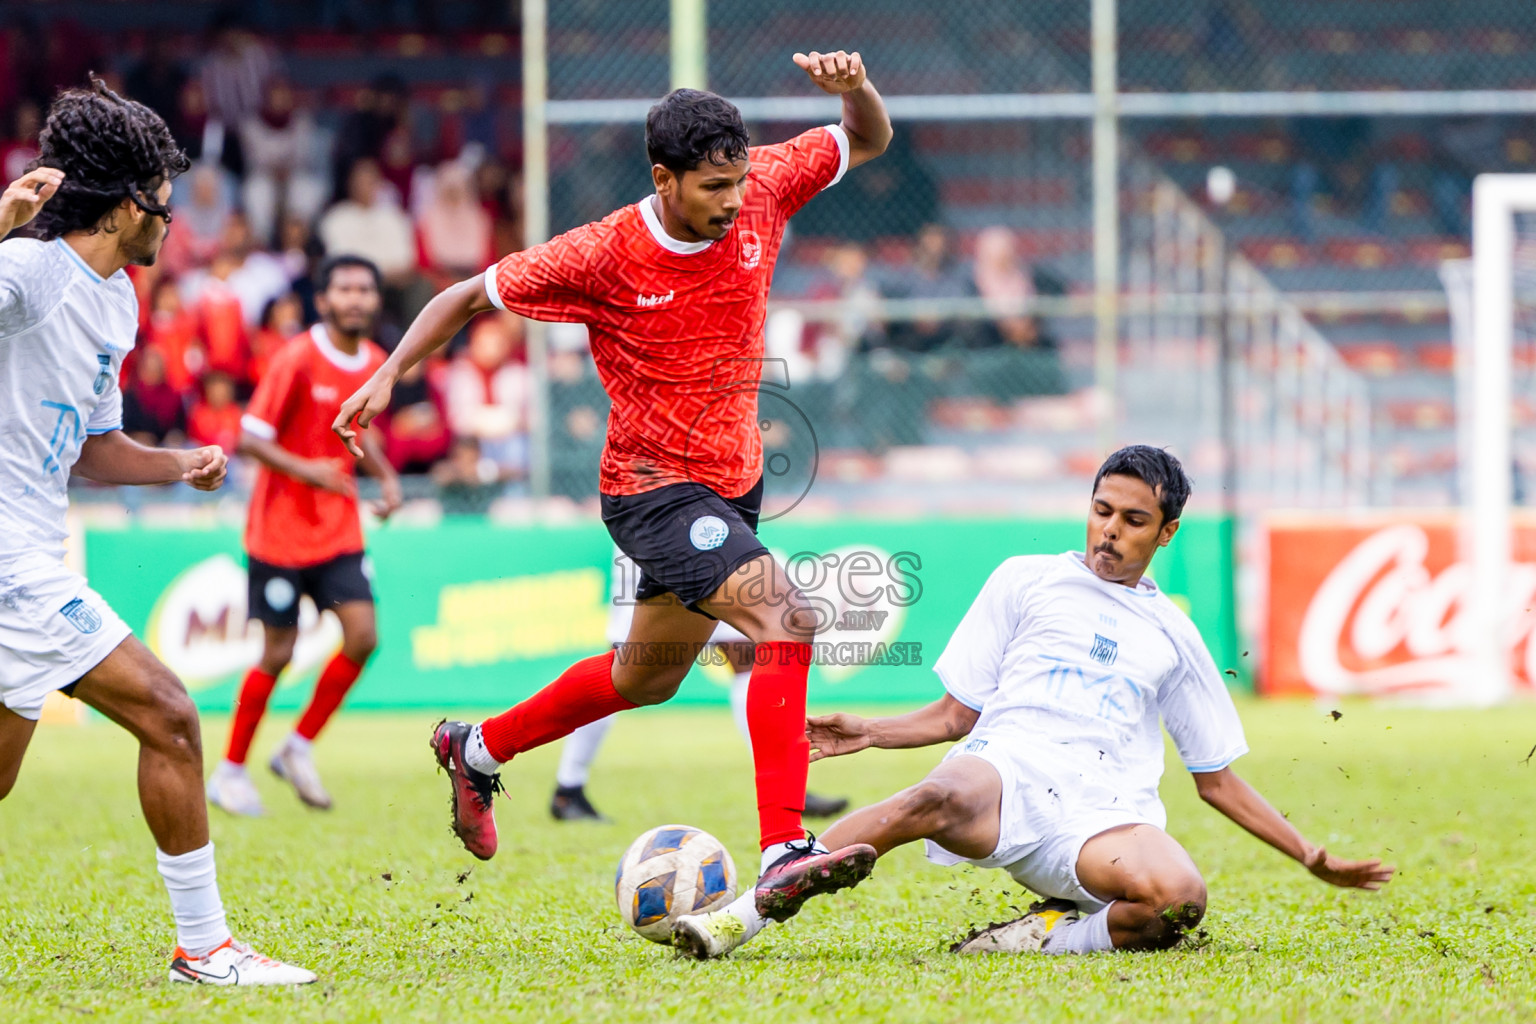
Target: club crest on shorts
column 279, row 594
column 708, row 532
column 1105, row 650
column 82, row 616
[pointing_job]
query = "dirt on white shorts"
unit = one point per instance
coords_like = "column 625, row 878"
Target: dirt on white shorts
column 53, row 629
column 1044, row 821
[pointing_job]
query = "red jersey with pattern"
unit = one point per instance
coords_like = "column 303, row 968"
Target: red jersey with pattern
column 676, row 328
column 293, row 524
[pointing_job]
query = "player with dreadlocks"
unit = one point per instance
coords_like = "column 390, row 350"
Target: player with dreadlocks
column 94, row 203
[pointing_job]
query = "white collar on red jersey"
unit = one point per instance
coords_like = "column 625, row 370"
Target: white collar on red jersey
column 335, row 356
column 666, row 241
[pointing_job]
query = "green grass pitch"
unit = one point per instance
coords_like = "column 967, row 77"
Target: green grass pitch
column 402, row 925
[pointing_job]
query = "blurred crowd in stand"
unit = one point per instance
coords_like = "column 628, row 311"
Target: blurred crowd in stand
column 280, row 180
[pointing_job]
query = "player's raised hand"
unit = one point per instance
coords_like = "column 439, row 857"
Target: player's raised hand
column 834, row 73
column 832, row 735
column 1348, row 874
column 25, row 196
column 366, row 403
column 204, row 468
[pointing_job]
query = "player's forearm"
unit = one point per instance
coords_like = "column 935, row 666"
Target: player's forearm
column 867, row 123
column 115, row 458
column 273, row 455
column 1226, row 791
column 373, row 461
column 437, row 323
column 945, row 720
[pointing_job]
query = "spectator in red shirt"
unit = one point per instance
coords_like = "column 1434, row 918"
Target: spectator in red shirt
column 174, row 333
column 415, row 428
column 153, row 412
column 282, row 319
column 488, row 392
column 453, row 228
column 215, row 418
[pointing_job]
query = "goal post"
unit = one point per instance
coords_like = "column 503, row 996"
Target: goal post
column 1485, row 368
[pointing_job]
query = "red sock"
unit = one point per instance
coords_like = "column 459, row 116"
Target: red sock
column 780, row 752
column 583, row 693
column 250, row 705
column 330, row 690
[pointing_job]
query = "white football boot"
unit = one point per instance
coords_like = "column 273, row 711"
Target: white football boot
column 1026, row 934
column 231, row 789
column 297, row 768
column 235, row 963
column 707, row 936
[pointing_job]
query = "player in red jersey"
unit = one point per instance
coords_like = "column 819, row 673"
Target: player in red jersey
column 303, row 535
column 673, row 290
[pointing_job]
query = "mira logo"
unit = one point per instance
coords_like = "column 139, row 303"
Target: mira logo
column 653, row 300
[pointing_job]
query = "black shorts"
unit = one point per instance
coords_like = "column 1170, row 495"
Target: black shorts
column 685, row 538
column 274, row 590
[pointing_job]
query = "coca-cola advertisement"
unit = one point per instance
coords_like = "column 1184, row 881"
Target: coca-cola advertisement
column 1378, row 606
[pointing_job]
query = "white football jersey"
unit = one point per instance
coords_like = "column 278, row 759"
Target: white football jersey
column 1073, row 674
column 64, row 331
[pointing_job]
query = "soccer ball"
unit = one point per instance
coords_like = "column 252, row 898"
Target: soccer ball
column 668, row 872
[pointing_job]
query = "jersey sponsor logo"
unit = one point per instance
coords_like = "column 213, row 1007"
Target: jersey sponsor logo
column 82, row 616
column 279, row 594
column 66, row 435
column 104, row 375
column 708, row 532
column 324, row 394
column 751, row 250
column 653, row 300
column 1105, row 650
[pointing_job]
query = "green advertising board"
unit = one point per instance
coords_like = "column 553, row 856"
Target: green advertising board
column 476, row 614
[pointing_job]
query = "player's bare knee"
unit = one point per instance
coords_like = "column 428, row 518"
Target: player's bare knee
column 8, row 781
column 931, row 804
column 176, row 730
column 276, row 655
column 359, row 645
column 1176, row 905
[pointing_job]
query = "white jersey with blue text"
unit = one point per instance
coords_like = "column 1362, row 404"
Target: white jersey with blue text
column 64, row 331
column 1072, row 675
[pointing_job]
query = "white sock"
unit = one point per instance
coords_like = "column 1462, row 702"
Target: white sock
column 778, row 850
column 228, row 767
column 744, row 909
column 298, row 743
column 1086, row 935
column 477, row 757
column 579, row 751
column 193, row 885
column 739, row 705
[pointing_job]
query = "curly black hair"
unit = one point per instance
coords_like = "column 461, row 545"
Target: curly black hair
column 689, row 127
column 110, row 149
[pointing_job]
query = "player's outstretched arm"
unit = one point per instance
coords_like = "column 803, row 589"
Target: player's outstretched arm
column 438, row 321
column 945, row 720
column 1235, row 798
column 864, row 115
column 116, row 458
column 25, row 196
column 326, row 474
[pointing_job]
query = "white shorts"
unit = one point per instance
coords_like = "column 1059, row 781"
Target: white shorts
column 1044, row 822
column 53, row 629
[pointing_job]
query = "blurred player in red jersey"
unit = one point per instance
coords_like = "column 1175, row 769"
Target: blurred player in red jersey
column 673, row 290
column 303, row 535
